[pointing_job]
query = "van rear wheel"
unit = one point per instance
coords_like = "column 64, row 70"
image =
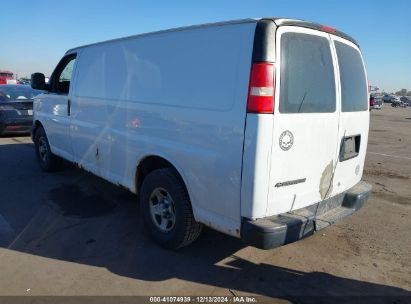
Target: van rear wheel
column 47, row 160
column 167, row 209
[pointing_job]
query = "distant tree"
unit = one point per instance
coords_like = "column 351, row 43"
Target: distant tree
column 403, row 92
column 409, row 93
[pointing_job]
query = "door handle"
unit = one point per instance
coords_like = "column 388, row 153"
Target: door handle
column 68, row 107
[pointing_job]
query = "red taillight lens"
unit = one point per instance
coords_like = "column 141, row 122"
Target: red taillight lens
column 261, row 88
column 12, row 127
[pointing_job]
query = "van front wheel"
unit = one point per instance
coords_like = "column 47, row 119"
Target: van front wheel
column 47, row 160
column 167, row 209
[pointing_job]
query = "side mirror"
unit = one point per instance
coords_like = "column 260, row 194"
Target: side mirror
column 38, row 81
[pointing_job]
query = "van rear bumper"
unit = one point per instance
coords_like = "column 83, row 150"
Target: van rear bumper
column 285, row 228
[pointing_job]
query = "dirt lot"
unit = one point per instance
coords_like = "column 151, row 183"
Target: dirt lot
column 71, row 233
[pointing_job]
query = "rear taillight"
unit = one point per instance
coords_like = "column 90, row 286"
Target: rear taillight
column 261, row 88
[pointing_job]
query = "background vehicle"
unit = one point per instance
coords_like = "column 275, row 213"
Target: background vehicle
column 406, row 100
column 6, row 77
column 16, row 108
column 377, row 103
column 221, row 124
column 387, row 98
column 24, row 82
column 395, row 102
column 372, row 102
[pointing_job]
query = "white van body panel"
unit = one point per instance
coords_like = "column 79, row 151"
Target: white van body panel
column 116, row 122
column 256, row 163
column 314, row 146
column 52, row 110
column 349, row 172
column 314, row 156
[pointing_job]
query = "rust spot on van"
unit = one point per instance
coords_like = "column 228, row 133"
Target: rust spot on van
column 326, row 186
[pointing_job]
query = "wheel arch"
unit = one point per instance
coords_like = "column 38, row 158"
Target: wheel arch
column 151, row 162
column 37, row 124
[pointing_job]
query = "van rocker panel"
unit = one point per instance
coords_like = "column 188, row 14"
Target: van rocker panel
column 285, row 228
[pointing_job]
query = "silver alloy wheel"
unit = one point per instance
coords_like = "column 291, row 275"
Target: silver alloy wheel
column 43, row 150
column 162, row 209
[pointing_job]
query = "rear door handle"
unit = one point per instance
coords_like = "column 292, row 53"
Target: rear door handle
column 68, row 107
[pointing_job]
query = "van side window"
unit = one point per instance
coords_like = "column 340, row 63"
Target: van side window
column 61, row 78
column 307, row 83
column 352, row 77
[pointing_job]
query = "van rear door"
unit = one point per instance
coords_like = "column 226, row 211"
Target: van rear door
column 306, row 117
column 354, row 116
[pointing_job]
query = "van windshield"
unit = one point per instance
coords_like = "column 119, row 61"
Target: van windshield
column 352, row 77
column 307, row 83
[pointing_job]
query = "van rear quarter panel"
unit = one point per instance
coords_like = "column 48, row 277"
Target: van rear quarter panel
column 180, row 95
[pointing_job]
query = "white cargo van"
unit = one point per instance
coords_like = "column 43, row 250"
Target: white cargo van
column 257, row 128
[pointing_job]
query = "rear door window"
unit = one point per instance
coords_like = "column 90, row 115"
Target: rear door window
column 352, row 77
column 307, row 74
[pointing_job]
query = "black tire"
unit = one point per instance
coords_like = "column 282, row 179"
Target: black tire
column 47, row 160
column 185, row 229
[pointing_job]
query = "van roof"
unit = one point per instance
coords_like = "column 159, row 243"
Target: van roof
column 278, row 22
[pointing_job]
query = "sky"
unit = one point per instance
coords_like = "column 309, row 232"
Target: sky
column 36, row 34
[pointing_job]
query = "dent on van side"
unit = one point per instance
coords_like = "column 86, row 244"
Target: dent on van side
column 256, row 128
